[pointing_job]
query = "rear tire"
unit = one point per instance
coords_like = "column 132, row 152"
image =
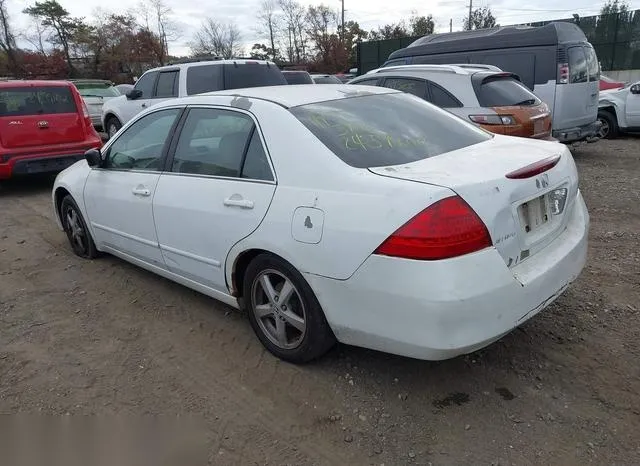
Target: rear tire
column 76, row 229
column 284, row 312
column 609, row 125
column 112, row 126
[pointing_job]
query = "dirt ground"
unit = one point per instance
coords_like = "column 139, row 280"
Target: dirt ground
column 103, row 337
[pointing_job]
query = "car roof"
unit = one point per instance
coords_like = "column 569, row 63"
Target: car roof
column 290, row 96
column 34, row 83
column 198, row 62
column 451, row 69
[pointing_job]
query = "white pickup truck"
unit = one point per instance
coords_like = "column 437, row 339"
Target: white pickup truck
column 619, row 111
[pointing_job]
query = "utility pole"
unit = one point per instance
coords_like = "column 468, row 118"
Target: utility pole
column 342, row 30
column 470, row 7
column 451, row 25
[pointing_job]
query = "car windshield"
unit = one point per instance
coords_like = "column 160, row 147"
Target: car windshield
column 504, row 92
column 22, row 101
column 326, row 80
column 390, row 129
column 298, row 77
column 97, row 90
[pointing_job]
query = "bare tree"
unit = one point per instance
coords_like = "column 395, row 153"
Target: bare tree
column 157, row 17
column 321, row 25
column 295, row 21
column 35, row 35
column 269, row 23
column 217, row 39
column 7, row 38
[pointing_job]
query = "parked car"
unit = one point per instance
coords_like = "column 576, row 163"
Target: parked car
column 619, row 111
column 95, row 92
column 401, row 212
column 495, row 100
column 187, row 78
column 345, row 77
column 325, row 79
column 44, row 127
column 555, row 61
column 124, row 88
column 607, row 83
column 297, row 77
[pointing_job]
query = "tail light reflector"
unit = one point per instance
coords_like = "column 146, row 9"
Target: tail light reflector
column 563, row 73
column 447, row 228
column 534, row 169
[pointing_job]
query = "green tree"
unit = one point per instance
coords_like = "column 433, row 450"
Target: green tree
column 421, row 25
column 481, row 18
column 63, row 27
column 260, row 52
column 390, row 31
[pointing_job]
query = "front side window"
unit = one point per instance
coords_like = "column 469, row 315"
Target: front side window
column 410, row 86
column 167, row 84
column 145, row 84
column 23, row 101
column 213, row 142
column 578, row 71
column 141, row 145
column 366, row 131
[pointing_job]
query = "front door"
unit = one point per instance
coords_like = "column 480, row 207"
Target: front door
column 119, row 195
column 632, row 106
column 217, row 192
column 132, row 107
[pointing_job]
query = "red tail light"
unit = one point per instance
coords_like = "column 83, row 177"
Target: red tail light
column 448, row 228
column 563, row 73
column 534, row 169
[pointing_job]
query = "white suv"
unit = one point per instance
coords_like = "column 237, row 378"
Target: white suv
column 187, row 78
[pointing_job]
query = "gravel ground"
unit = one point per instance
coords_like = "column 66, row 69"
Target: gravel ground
column 103, row 337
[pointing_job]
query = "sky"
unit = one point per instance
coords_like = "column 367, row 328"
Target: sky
column 188, row 14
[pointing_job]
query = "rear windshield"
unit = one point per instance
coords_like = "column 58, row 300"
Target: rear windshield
column 298, row 78
column 389, row 129
column 252, row 75
column 97, row 90
column 503, row 92
column 327, row 80
column 36, row 101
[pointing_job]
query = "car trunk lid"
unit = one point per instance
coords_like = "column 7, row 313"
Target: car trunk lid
column 520, row 213
column 39, row 116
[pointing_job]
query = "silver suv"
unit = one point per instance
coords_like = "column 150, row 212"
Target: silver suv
column 187, row 78
column 495, row 100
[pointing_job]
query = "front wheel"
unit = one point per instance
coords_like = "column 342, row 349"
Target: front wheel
column 76, row 229
column 608, row 125
column 284, row 312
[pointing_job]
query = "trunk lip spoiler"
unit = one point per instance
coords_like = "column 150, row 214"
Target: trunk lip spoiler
column 536, row 168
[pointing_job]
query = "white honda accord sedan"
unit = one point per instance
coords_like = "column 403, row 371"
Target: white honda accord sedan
column 336, row 213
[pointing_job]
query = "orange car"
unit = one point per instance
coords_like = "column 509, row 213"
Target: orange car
column 495, row 100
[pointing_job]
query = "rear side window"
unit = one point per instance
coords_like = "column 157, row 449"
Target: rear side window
column 442, row 98
column 578, row 71
column 145, row 84
column 417, row 87
column 592, row 64
column 367, row 82
column 22, row 101
column 504, row 92
column 366, row 131
column 205, row 78
column 298, row 78
column 252, row 75
column 167, row 84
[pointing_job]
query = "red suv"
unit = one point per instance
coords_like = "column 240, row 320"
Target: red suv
column 44, row 127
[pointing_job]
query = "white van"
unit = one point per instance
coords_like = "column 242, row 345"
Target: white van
column 555, row 61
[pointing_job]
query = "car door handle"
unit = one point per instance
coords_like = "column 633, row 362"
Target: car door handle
column 144, row 105
column 140, row 191
column 238, row 202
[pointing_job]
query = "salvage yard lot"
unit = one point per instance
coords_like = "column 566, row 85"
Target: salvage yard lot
column 99, row 337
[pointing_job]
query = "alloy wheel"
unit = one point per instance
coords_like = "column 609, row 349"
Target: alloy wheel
column 604, row 128
column 75, row 230
column 279, row 309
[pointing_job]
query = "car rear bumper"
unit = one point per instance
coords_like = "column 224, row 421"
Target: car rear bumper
column 579, row 133
column 32, row 165
column 442, row 309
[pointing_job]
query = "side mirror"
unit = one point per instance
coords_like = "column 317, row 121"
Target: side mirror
column 93, row 158
column 635, row 89
column 134, row 94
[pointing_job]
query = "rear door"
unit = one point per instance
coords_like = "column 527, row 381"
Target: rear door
column 216, row 192
column 36, row 116
column 577, row 101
